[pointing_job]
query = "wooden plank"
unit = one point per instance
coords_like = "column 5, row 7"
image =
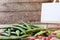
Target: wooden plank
column 16, row 17
column 5, row 1
column 20, row 6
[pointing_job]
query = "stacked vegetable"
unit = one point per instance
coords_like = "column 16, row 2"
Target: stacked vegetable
column 23, row 30
column 32, row 32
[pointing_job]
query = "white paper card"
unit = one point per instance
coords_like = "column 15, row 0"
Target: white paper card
column 50, row 13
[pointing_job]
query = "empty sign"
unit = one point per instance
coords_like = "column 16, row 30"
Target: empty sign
column 50, row 13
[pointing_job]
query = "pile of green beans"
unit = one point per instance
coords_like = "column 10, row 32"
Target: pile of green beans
column 22, row 30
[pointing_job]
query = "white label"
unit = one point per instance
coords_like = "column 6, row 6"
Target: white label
column 50, row 13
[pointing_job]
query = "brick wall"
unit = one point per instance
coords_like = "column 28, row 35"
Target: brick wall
column 13, row 11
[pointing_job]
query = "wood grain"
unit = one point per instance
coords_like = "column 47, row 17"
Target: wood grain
column 20, row 6
column 5, row 1
column 16, row 17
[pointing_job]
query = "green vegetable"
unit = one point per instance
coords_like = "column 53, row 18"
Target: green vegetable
column 6, row 34
column 18, row 32
column 17, row 25
column 24, row 36
column 6, row 30
column 20, row 29
column 9, row 32
column 34, row 30
column 58, row 35
column 27, row 25
column 41, row 32
column 32, row 26
column 23, row 29
column 13, row 32
column 50, row 32
column 9, row 38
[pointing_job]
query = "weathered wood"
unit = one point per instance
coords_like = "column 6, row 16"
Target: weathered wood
column 4, row 1
column 16, row 17
column 20, row 6
column 13, row 11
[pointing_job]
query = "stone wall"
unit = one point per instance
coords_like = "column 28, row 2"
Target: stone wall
column 13, row 11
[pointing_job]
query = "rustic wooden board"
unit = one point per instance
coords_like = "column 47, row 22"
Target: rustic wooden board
column 4, row 1
column 20, row 6
column 16, row 17
column 12, row 11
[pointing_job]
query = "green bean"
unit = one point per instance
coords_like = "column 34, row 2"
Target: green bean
column 24, row 36
column 9, row 32
column 34, row 30
column 33, row 26
column 20, row 29
column 17, row 32
column 5, row 34
column 8, row 38
column 5, row 30
column 17, row 25
column 13, row 32
column 27, row 25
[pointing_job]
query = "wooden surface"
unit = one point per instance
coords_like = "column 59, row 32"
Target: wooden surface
column 17, row 17
column 20, row 7
column 5, row 1
column 13, row 11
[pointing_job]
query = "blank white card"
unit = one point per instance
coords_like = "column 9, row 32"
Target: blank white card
column 50, row 13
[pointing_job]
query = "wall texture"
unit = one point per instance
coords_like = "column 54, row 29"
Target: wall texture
column 13, row 11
